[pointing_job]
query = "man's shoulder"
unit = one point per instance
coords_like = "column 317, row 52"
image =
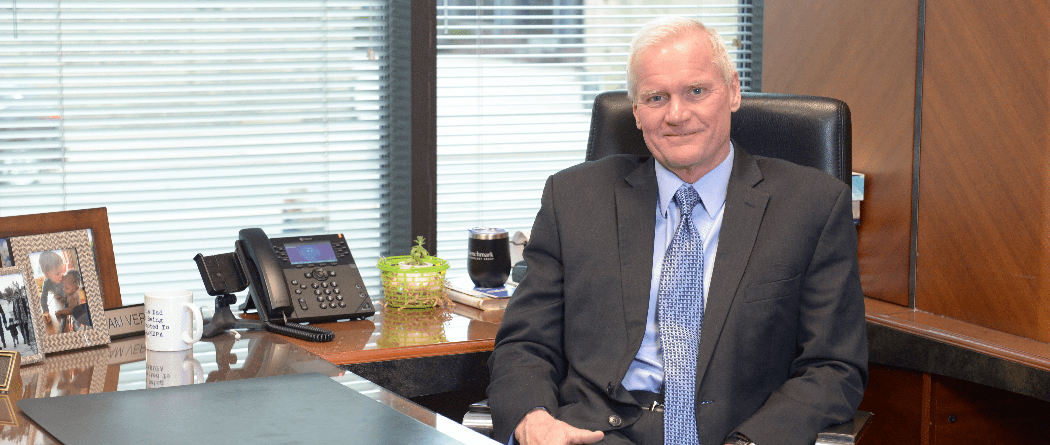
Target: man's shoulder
column 611, row 167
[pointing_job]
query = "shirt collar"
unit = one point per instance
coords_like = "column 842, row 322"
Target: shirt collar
column 711, row 187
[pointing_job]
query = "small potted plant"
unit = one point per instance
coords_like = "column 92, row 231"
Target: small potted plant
column 413, row 281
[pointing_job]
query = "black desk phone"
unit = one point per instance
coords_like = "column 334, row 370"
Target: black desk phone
column 309, row 278
column 294, row 279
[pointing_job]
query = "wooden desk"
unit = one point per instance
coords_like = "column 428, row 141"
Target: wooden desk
column 939, row 380
column 403, row 334
column 386, row 351
column 121, row 366
column 920, row 341
column 395, row 348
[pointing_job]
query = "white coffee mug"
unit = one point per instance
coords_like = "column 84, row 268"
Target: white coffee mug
column 173, row 322
column 172, row 368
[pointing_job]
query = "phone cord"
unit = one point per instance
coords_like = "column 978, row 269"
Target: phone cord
column 302, row 332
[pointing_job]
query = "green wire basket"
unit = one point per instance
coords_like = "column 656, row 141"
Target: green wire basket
column 413, row 287
column 413, row 327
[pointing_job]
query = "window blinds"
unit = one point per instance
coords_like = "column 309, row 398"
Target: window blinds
column 516, row 81
column 190, row 120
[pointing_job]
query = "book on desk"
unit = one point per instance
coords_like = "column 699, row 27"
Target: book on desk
column 463, row 292
column 473, row 313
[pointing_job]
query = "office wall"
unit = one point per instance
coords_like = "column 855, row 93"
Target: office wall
column 981, row 197
column 864, row 53
column 982, row 235
column 983, row 232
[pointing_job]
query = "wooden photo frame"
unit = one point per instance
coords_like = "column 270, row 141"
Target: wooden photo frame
column 7, row 412
column 96, row 220
column 16, row 318
column 10, row 379
column 65, row 294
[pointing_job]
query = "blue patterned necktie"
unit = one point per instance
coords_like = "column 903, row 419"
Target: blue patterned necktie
column 680, row 306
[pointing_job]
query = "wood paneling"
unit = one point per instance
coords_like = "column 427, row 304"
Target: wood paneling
column 984, row 186
column 920, row 408
column 895, row 398
column 865, row 54
column 964, row 412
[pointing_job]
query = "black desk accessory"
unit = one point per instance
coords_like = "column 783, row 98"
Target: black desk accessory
column 290, row 280
column 222, row 276
column 233, row 272
column 288, row 409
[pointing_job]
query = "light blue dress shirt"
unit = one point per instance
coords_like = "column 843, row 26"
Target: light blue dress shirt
column 647, row 370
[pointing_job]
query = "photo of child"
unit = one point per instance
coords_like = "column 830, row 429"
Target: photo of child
column 57, row 307
column 76, row 301
column 63, row 283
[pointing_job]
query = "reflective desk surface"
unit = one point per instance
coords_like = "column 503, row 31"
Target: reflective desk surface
column 403, row 334
column 122, row 366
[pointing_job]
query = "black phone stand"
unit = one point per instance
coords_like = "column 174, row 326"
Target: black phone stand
column 224, row 320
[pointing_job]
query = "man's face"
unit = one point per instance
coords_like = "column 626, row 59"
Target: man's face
column 683, row 105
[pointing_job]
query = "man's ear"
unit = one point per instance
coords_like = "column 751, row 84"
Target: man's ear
column 734, row 87
column 637, row 122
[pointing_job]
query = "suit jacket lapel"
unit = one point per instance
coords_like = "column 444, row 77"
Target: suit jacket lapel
column 636, row 221
column 744, row 209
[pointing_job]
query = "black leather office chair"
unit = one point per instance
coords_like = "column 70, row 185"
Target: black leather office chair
column 807, row 130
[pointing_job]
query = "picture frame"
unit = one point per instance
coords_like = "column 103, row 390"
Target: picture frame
column 10, row 377
column 16, row 317
column 64, row 289
column 96, row 220
column 7, row 412
column 74, row 373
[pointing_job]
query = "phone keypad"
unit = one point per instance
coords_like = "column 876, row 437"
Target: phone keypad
column 327, row 292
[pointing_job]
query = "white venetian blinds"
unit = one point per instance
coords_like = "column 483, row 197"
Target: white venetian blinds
column 190, row 120
column 516, row 80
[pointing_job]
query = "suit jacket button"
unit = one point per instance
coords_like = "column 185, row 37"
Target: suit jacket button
column 615, row 420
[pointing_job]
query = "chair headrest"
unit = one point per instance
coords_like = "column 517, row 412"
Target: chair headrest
column 807, row 130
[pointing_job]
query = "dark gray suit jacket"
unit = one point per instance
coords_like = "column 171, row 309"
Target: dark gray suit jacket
column 783, row 349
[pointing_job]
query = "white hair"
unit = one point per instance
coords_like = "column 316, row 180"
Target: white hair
column 665, row 29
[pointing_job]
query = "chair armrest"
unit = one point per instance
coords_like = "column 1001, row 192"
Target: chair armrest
column 846, row 433
column 479, row 418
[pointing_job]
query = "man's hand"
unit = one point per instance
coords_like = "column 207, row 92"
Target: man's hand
column 540, row 428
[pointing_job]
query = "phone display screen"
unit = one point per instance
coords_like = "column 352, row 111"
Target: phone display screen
column 302, row 253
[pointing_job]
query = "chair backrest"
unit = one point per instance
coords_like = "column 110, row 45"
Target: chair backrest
column 806, row 130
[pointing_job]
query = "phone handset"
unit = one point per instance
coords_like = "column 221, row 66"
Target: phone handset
column 267, row 287
column 264, row 272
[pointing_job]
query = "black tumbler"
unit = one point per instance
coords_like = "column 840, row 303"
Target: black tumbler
column 488, row 257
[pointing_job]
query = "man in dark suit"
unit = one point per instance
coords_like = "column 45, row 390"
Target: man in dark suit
column 581, row 354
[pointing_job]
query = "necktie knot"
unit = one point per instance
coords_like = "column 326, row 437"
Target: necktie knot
column 686, row 197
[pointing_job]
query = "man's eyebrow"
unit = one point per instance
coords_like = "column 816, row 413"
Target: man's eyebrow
column 698, row 84
column 648, row 93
